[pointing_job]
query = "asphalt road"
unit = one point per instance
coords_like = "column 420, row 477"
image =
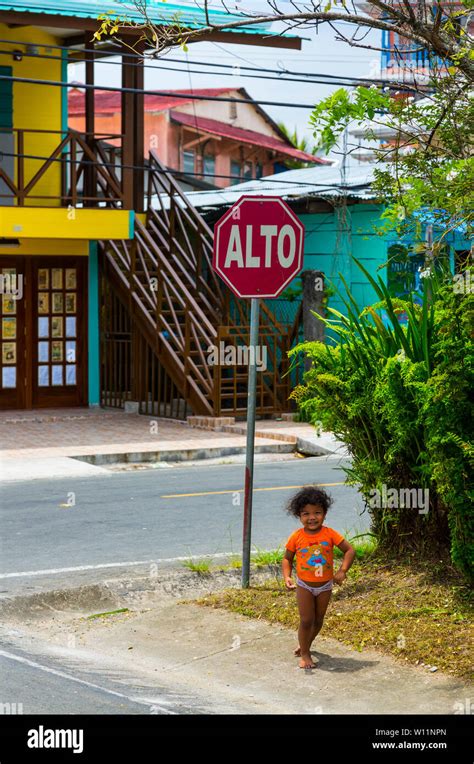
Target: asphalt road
column 46, row 688
column 156, row 515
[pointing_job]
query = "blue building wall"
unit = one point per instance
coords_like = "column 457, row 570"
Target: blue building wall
column 332, row 238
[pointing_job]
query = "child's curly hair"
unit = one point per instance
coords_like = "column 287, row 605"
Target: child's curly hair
column 309, row 494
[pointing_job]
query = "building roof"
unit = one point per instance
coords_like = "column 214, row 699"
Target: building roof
column 109, row 101
column 158, row 11
column 214, row 127
column 314, row 182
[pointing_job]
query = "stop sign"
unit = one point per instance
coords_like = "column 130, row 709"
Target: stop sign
column 258, row 246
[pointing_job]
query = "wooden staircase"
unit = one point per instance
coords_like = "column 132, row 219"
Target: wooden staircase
column 181, row 310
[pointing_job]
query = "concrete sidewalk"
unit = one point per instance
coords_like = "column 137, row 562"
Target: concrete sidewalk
column 63, row 442
column 230, row 663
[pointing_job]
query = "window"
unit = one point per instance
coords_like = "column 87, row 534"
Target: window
column 188, row 161
column 209, row 166
column 232, row 110
column 248, row 171
column 235, row 170
column 259, row 170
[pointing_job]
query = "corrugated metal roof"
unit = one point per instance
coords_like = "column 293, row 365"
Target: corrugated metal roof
column 157, row 10
column 313, row 182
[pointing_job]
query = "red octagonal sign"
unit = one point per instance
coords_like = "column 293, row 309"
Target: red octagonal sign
column 258, row 246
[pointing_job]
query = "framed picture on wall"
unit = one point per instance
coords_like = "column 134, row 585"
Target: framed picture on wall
column 43, row 278
column 56, row 327
column 57, row 278
column 43, row 302
column 9, row 352
column 71, row 281
column 57, row 302
column 70, row 303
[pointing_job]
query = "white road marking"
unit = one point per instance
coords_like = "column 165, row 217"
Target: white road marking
column 63, row 675
column 49, row 571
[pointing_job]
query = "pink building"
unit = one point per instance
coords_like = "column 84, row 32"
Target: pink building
column 210, row 143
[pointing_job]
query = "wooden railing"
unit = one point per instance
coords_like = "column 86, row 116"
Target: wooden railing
column 88, row 173
column 184, row 311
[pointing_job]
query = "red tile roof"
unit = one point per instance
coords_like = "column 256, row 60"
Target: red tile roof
column 241, row 135
column 107, row 101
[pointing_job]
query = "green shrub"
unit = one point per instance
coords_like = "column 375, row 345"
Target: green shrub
column 398, row 396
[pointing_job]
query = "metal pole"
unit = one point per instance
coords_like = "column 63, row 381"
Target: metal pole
column 251, row 401
column 429, row 259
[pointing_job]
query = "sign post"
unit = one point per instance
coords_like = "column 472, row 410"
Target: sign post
column 249, row 455
column 258, row 250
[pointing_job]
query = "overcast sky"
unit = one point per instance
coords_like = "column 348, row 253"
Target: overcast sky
column 320, row 54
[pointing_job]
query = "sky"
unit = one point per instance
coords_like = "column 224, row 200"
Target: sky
column 320, row 53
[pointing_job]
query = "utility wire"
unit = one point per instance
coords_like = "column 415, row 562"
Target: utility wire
column 338, row 79
column 83, row 86
column 145, row 168
column 167, row 93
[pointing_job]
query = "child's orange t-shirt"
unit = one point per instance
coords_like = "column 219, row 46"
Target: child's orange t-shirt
column 313, row 553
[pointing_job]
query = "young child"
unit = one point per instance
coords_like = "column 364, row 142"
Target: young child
column 313, row 546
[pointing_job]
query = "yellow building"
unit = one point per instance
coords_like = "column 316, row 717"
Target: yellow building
column 104, row 298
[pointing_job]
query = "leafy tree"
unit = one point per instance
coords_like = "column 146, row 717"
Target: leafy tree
column 428, row 164
column 299, row 143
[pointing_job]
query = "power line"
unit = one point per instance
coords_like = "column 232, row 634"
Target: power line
column 338, row 79
column 83, row 86
column 168, row 171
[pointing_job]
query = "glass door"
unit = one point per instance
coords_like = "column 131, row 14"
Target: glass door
column 59, row 355
column 12, row 333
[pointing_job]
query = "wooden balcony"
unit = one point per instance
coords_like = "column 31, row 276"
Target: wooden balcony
column 44, row 168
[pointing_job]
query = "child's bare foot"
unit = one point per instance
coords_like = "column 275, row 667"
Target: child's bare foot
column 307, row 662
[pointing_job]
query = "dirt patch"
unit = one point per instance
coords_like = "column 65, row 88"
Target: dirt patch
column 404, row 611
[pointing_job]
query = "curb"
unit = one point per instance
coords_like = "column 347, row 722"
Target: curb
column 124, row 592
column 191, row 454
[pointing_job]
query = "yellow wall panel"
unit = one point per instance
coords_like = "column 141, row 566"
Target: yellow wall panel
column 47, row 247
column 52, row 223
column 36, row 107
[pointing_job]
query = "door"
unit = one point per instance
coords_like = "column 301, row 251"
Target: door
column 44, row 342
column 12, row 333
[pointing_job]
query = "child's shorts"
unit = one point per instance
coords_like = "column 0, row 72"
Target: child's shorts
column 315, row 590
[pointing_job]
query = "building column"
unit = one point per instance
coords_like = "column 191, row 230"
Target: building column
column 139, row 139
column 313, row 293
column 90, row 173
column 128, row 132
column 93, row 326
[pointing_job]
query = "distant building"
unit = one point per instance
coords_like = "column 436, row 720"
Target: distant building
column 403, row 60
column 211, row 144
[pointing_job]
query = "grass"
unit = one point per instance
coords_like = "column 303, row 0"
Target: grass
column 420, row 613
column 364, row 544
column 109, row 612
column 198, row 566
column 261, row 558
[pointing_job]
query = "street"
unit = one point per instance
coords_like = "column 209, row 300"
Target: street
column 155, row 515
